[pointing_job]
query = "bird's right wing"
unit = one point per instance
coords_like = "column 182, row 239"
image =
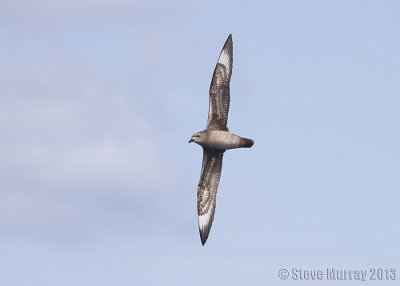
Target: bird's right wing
column 219, row 89
column 207, row 190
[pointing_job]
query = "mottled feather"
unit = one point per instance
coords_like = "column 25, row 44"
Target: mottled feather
column 207, row 190
column 219, row 89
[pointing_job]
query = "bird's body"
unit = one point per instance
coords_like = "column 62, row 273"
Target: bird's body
column 215, row 140
column 222, row 140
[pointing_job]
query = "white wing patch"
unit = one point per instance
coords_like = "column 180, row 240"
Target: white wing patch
column 225, row 60
column 204, row 220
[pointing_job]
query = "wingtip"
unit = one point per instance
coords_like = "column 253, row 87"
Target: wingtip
column 226, row 55
column 204, row 232
column 203, row 238
column 229, row 39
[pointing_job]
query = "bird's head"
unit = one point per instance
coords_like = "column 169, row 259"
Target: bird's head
column 196, row 137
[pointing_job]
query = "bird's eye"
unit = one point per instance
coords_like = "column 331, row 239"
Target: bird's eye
column 198, row 135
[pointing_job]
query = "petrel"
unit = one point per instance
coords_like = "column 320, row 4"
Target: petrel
column 215, row 140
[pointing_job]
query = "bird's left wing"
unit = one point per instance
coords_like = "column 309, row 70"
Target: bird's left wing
column 207, row 190
column 219, row 89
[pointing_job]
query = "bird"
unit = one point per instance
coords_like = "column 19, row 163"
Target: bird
column 215, row 140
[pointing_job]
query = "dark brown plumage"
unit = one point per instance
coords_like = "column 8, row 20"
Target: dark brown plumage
column 215, row 140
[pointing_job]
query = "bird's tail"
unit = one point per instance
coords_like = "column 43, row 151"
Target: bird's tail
column 246, row 143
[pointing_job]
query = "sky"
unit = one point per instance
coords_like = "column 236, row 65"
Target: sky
column 98, row 99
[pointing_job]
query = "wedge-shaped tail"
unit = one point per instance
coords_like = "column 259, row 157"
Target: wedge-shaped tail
column 246, row 143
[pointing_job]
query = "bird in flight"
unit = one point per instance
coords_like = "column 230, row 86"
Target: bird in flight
column 215, row 140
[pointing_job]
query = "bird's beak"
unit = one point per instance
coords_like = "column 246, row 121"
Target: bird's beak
column 191, row 140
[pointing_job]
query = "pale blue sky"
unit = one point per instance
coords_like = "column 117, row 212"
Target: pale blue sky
column 99, row 98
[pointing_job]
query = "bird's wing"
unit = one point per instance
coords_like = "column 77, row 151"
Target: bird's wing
column 219, row 89
column 207, row 190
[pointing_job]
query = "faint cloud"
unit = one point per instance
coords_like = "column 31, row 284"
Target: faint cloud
column 46, row 12
column 78, row 150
